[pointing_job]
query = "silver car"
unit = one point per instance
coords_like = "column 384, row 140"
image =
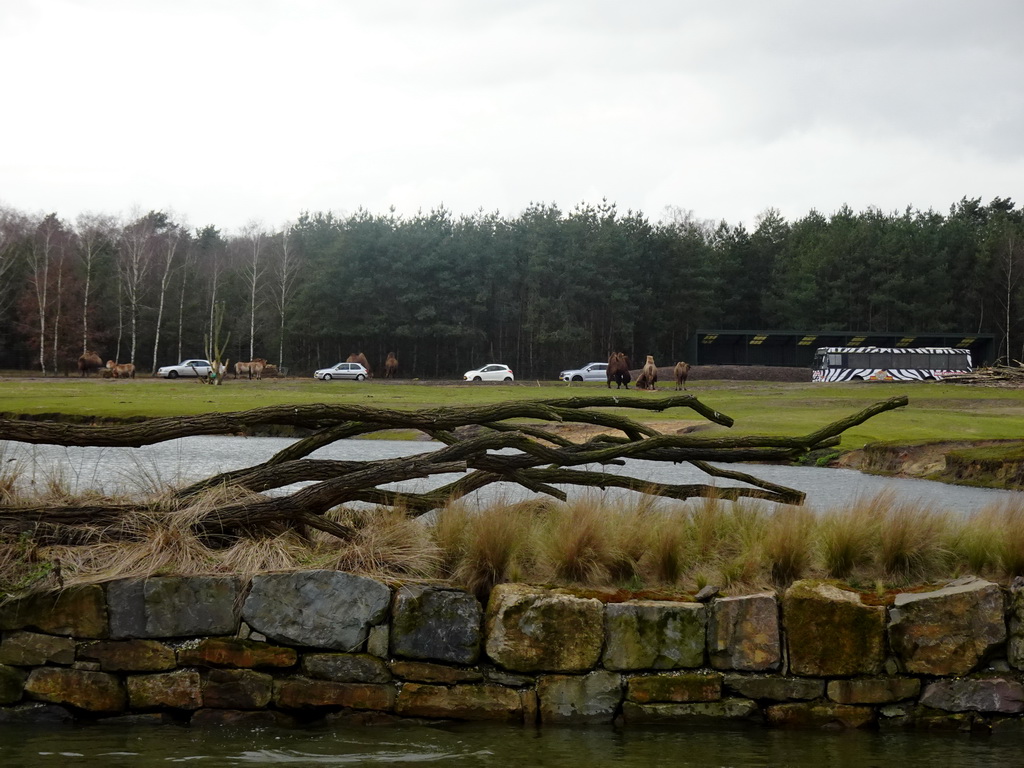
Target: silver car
column 589, row 372
column 342, row 371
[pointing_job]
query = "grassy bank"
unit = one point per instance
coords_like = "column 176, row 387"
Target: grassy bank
column 936, row 411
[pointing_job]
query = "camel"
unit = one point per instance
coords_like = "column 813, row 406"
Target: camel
column 682, row 371
column 618, row 370
column 359, row 357
column 649, row 375
column 390, row 366
column 89, row 362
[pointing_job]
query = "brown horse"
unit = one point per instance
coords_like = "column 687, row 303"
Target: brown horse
column 253, row 369
column 390, row 366
column 359, row 357
column 618, row 370
column 682, row 371
column 121, row 371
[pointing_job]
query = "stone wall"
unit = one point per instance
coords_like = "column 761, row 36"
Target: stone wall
column 315, row 646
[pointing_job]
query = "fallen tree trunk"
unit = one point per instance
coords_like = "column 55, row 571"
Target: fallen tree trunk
column 503, row 448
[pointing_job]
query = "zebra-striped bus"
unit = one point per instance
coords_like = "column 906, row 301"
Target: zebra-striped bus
column 889, row 363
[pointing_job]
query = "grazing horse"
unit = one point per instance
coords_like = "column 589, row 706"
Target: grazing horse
column 649, row 375
column 122, row 371
column 682, row 371
column 89, row 362
column 253, row 369
column 390, row 366
column 359, row 357
column 618, row 370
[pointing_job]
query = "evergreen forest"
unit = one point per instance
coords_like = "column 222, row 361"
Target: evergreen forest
column 542, row 291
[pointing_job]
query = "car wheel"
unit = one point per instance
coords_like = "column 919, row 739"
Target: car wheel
column 574, row 378
column 172, row 374
column 508, row 378
column 359, row 377
column 477, row 378
column 327, row 377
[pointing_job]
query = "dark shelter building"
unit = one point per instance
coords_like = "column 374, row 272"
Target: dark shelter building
column 796, row 348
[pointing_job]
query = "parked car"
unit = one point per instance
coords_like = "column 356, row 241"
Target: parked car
column 342, row 371
column 193, row 367
column 589, row 372
column 492, row 372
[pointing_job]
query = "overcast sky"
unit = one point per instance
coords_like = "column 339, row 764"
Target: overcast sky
column 230, row 111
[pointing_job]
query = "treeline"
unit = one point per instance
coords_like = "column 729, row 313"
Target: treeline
column 542, row 291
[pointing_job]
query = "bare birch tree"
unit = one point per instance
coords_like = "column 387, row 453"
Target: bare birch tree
column 41, row 257
column 165, row 251
column 253, row 270
column 60, row 256
column 285, row 271
column 188, row 262
column 94, row 235
column 134, row 263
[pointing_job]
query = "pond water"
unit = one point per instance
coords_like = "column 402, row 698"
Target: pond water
column 498, row 745
column 116, row 470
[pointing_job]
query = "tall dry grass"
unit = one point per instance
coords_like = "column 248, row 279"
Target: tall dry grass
column 484, row 547
column 788, row 544
column 992, row 541
column 848, row 536
column 637, row 543
column 912, row 543
column 576, row 542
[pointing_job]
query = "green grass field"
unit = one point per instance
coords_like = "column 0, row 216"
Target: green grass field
column 936, row 411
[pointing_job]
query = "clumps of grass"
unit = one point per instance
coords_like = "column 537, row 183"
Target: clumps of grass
column 668, row 554
column 387, row 543
column 481, row 548
column 577, row 542
column 848, row 536
column 10, row 478
column 788, row 544
column 636, row 532
column 992, row 541
column 912, row 539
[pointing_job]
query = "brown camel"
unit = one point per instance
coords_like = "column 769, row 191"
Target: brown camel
column 649, row 375
column 682, row 371
column 359, row 357
column 89, row 362
column 618, row 370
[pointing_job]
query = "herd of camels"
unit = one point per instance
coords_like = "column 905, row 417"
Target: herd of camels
column 618, row 372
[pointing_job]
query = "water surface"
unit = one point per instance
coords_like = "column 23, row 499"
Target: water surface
column 116, row 470
column 498, row 745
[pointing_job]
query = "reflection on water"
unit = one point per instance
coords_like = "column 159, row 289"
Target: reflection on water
column 498, row 745
column 115, row 470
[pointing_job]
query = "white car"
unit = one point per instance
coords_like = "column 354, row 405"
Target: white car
column 194, row 367
column 589, row 372
column 342, row 371
column 492, row 372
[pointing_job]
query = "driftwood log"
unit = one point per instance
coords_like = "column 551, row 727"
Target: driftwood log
column 514, row 442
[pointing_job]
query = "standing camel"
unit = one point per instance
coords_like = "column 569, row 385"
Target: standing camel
column 682, row 371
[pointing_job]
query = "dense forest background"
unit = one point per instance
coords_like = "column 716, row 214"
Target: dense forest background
column 543, row 291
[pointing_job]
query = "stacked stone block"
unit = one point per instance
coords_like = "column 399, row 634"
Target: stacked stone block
column 324, row 646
